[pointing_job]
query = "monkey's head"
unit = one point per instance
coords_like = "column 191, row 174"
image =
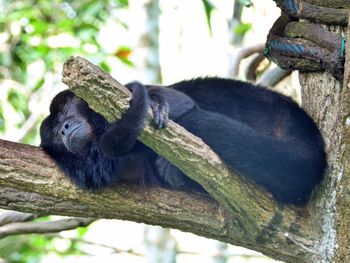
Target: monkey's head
column 71, row 126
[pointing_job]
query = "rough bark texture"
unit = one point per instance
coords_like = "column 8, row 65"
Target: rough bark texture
column 315, row 33
column 241, row 213
column 327, row 101
column 320, row 11
column 323, row 15
column 330, row 3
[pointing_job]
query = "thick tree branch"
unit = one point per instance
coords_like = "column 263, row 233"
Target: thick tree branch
column 31, row 182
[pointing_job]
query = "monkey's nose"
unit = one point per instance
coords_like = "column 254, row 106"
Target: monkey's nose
column 65, row 128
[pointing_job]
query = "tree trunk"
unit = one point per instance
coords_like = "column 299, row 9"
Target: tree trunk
column 328, row 102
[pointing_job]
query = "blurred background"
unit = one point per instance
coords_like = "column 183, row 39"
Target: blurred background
column 152, row 41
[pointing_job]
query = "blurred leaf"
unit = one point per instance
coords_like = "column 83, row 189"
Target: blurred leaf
column 42, row 219
column 122, row 23
column 208, row 8
column 41, row 51
column 20, row 249
column 127, row 62
column 105, row 66
column 27, row 12
column 123, row 52
column 246, row 3
column 2, row 123
column 82, row 231
column 40, row 27
column 86, row 31
column 66, row 24
column 38, row 241
column 122, row 3
column 38, row 85
column 9, row 245
column 67, row 51
column 17, row 100
column 5, row 59
column 91, row 9
column 242, row 28
column 30, row 137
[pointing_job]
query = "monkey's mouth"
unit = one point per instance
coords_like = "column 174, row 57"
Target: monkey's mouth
column 74, row 131
column 78, row 142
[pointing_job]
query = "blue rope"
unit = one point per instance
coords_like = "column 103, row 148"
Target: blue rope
column 343, row 44
column 342, row 48
column 266, row 51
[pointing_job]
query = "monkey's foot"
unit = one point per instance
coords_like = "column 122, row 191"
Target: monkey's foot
column 325, row 12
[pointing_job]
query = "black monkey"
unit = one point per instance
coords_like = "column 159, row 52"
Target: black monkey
column 259, row 133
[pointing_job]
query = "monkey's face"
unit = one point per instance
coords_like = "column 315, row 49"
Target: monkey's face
column 67, row 128
column 73, row 128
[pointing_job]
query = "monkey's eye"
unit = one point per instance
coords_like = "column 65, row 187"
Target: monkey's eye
column 65, row 111
column 57, row 130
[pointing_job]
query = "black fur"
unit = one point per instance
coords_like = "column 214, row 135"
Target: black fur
column 258, row 133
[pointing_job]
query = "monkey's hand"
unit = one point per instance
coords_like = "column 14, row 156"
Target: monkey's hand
column 160, row 109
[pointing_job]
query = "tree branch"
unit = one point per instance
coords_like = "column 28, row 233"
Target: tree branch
column 272, row 77
column 43, row 227
column 8, row 217
column 239, row 54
